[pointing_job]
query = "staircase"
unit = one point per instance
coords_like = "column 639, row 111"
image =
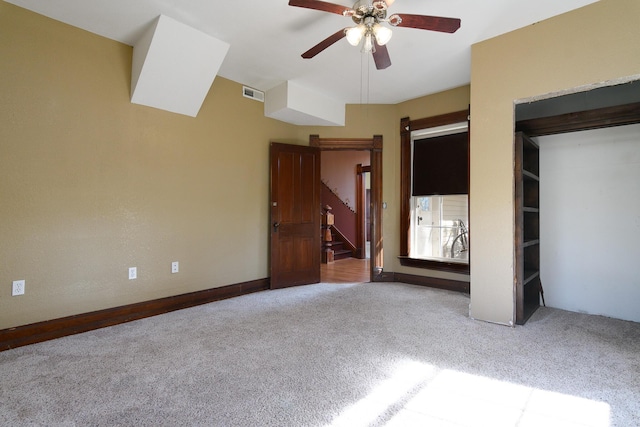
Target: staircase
column 335, row 245
column 340, row 248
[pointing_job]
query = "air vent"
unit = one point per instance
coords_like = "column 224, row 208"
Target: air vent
column 248, row 92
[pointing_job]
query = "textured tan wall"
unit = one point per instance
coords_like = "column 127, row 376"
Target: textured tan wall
column 590, row 46
column 364, row 121
column 91, row 184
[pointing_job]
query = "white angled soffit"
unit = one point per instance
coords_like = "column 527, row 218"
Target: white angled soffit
column 174, row 66
column 294, row 104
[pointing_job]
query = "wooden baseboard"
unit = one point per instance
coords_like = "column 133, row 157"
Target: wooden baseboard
column 432, row 282
column 384, row 276
column 57, row 328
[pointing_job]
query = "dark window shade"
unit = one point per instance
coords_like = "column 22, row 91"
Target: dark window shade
column 440, row 165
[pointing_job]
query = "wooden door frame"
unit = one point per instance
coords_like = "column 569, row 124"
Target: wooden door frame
column 374, row 146
column 361, row 220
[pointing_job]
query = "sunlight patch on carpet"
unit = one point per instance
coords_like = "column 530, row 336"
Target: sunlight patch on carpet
column 406, row 377
column 418, row 394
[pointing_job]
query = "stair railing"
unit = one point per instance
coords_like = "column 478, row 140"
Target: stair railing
column 327, row 239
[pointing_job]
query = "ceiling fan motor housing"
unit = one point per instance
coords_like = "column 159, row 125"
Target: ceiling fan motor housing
column 363, row 9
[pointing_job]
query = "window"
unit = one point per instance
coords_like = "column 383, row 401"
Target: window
column 435, row 187
column 439, row 228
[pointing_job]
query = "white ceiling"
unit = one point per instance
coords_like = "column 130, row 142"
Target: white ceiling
column 268, row 36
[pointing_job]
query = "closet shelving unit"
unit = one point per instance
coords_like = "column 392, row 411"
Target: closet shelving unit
column 527, row 223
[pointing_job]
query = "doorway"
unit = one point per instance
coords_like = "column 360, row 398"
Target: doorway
column 374, row 147
column 346, row 184
column 342, row 191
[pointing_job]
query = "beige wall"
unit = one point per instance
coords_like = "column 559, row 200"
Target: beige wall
column 590, row 46
column 364, row 121
column 91, row 184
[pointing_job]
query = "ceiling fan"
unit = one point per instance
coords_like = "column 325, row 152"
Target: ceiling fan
column 368, row 16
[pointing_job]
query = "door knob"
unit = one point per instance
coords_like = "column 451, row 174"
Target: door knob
column 275, row 226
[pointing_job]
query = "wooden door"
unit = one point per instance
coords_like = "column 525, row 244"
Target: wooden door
column 295, row 215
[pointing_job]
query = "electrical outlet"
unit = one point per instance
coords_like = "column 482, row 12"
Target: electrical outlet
column 133, row 273
column 18, row 288
column 175, row 267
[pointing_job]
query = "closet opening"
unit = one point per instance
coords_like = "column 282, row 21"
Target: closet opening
column 588, row 209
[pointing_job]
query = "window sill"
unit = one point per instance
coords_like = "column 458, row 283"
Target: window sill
column 452, row 267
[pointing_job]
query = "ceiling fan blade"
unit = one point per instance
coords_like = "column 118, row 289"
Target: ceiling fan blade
column 381, row 57
column 425, row 22
column 322, row 5
column 338, row 35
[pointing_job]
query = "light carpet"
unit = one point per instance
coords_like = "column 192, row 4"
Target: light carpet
column 375, row 354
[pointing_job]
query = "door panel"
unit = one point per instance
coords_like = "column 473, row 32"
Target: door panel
column 309, row 208
column 295, row 215
column 285, row 180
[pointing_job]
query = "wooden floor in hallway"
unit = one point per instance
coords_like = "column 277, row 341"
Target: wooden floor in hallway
column 347, row 270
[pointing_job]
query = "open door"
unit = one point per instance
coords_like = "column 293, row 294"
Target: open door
column 295, row 215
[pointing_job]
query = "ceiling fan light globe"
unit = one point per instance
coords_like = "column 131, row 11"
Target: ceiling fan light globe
column 354, row 35
column 367, row 46
column 383, row 34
